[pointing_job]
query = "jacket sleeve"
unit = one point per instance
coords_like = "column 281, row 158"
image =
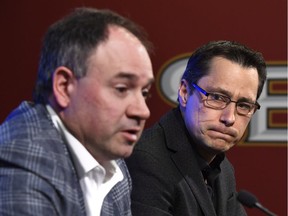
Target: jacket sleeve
column 23, row 193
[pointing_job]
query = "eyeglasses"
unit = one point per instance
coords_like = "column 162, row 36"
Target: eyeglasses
column 219, row 101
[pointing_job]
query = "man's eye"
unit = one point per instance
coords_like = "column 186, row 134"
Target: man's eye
column 218, row 97
column 122, row 89
column 146, row 94
column 244, row 106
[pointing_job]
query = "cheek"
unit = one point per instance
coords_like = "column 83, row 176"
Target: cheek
column 110, row 114
column 193, row 117
column 94, row 109
column 206, row 114
column 241, row 125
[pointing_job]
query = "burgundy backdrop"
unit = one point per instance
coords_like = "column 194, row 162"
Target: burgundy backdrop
column 175, row 27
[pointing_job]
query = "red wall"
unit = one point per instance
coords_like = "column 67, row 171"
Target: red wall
column 175, row 27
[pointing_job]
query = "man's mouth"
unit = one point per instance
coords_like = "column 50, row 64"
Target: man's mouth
column 131, row 135
column 224, row 132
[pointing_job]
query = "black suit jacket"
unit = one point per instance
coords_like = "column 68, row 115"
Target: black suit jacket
column 167, row 179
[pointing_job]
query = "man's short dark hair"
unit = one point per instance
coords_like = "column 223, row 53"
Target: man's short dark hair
column 70, row 42
column 199, row 62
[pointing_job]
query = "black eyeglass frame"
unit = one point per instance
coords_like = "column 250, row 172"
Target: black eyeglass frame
column 256, row 104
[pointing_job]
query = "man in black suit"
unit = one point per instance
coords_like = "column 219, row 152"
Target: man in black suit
column 179, row 165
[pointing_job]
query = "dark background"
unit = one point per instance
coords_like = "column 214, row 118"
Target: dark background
column 175, row 27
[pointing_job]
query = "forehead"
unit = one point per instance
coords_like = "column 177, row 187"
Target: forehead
column 231, row 76
column 122, row 51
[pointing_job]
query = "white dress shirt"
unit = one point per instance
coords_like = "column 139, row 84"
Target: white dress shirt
column 96, row 180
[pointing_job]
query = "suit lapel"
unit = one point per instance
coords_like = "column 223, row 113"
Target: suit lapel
column 221, row 184
column 185, row 160
column 57, row 145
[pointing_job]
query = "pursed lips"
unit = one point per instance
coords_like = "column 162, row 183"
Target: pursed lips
column 224, row 132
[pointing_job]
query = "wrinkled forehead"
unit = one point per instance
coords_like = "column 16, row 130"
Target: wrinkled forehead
column 122, row 53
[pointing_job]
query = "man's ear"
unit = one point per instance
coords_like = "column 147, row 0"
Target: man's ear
column 63, row 83
column 183, row 93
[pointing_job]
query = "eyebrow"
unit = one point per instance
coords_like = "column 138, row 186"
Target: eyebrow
column 227, row 93
column 132, row 77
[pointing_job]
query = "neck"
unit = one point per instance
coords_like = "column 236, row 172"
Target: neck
column 206, row 155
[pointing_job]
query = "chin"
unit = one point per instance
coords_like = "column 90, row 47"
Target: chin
column 126, row 152
column 224, row 148
column 220, row 147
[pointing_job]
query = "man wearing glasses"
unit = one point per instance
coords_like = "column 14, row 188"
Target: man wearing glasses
column 179, row 165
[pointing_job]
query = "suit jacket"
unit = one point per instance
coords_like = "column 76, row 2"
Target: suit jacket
column 37, row 174
column 167, row 179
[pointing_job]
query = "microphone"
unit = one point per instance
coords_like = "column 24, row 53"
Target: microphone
column 249, row 200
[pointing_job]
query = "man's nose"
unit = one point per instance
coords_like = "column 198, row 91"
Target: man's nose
column 138, row 108
column 228, row 115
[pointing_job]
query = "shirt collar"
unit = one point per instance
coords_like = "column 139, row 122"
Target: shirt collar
column 211, row 171
column 79, row 152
